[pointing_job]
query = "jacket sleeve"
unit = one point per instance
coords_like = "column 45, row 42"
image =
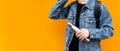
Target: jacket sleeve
column 59, row 11
column 106, row 29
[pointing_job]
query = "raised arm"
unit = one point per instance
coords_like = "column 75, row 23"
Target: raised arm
column 59, row 11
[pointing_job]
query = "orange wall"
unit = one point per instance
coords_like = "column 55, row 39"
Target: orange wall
column 25, row 26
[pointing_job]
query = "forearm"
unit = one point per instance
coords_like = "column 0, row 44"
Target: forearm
column 102, row 33
column 57, row 9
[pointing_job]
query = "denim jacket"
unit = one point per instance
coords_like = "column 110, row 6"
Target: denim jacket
column 87, row 20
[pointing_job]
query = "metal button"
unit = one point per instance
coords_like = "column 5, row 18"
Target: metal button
column 82, row 14
column 91, row 21
column 92, row 36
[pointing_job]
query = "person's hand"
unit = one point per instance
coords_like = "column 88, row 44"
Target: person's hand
column 82, row 34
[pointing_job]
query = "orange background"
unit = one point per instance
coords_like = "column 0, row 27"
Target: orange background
column 25, row 26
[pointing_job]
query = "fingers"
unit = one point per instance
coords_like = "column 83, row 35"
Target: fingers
column 79, row 32
column 82, row 34
column 83, row 38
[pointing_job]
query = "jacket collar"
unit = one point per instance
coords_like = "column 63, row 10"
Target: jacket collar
column 90, row 4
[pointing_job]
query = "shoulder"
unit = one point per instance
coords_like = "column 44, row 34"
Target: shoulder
column 103, row 7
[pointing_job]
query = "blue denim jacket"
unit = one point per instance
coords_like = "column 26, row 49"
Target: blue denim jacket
column 87, row 20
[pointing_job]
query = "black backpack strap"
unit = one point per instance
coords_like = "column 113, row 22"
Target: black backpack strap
column 97, row 12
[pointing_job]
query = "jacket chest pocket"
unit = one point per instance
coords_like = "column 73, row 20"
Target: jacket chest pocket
column 90, row 22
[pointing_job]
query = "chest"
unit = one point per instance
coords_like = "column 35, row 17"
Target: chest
column 86, row 17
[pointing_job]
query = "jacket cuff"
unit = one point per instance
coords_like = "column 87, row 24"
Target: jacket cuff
column 91, row 34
